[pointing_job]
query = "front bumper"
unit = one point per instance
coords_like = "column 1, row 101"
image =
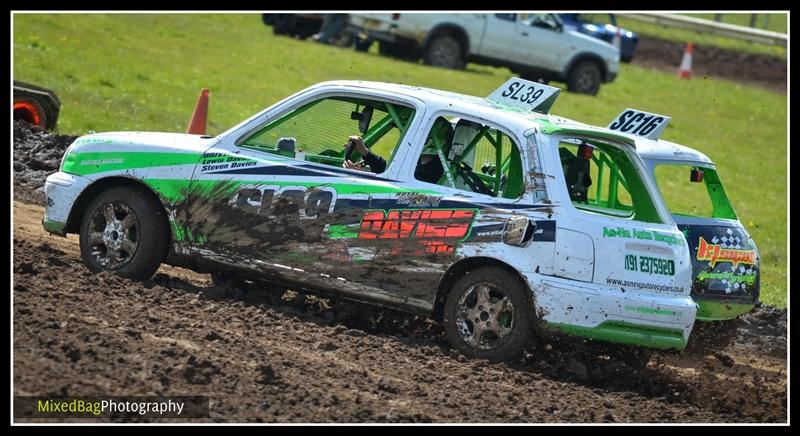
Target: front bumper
column 610, row 77
column 605, row 313
column 61, row 191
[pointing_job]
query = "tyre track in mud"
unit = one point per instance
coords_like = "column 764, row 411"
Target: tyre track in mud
column 263, row 354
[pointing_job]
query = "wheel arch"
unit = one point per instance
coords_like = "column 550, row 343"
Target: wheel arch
column 463, row 267
column 587, row 56
column 449, row 29
column 93, row 190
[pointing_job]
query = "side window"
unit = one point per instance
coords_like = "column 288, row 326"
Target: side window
column 507, row 17
column 699, row 196
column 317, row 131
column 476, row 158
column 545, row 21
column 601, row 178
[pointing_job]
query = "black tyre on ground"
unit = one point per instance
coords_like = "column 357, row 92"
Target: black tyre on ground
column 124, row 230
column 487, row 314
column 36, row 105
column 444, row 51
column 585, row 77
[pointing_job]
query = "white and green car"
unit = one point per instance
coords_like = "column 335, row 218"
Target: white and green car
column 508, row 238
column 725, row 259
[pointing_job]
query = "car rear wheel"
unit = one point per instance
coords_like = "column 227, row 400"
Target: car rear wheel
column 444, row 51
column 487, row 315
column 125, row 231
column 585, row 78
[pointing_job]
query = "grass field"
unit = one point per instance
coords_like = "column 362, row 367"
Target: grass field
column 777, row 23
column 144, row 72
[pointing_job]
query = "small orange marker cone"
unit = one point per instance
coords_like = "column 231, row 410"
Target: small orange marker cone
column 197, row 125
column 685, row 71
column 617, row 40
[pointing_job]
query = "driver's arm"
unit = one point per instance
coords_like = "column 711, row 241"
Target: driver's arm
column 376, row 163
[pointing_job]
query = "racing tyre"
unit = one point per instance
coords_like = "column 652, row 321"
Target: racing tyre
column 124, row 230
column 487, row 315
column 444, row 51
column 585, row 78
column 36, row 105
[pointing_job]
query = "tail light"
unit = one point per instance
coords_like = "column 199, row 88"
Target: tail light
column 696, row 175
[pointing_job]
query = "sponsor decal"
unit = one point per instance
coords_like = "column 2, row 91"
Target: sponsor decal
column 650, row 310
column 102, row 161
column 650, row 265
column 436, row 231
column 621, row 232
column 337, row 252
column 214, row 161
column 748, row 279
column 714, row 253
column 640, row 285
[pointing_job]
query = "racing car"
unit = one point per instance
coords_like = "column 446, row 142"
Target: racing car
column 323, row 191
column 725, row 259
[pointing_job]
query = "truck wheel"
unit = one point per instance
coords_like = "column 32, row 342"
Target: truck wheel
column 124, row 230
column 584, row 78
column 36, row 105
column 487, row 315
column 444, row 51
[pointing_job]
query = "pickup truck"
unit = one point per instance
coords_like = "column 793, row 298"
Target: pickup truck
column 538, row 47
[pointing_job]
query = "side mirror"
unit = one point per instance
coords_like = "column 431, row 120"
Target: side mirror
column 518, row 231
column 696, row 175
column 364, row 117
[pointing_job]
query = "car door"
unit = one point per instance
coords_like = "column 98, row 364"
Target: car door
column 276, row 199
column 611, row 232
column 544, row 41
column 501, row 37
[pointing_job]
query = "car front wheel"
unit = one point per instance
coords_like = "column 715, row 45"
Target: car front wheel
column 124, row 230
column 487, row 315
column 585, row 78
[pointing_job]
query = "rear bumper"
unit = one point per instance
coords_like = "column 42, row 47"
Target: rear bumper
column 709, row 310
column 61, row 190
column 606, row 313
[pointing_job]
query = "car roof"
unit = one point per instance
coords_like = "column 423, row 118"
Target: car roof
column 661, row 150
column 439, row 99
column 480, row 107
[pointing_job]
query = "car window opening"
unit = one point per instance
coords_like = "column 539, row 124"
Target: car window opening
column 601, row 178
column 472, row 157
column 317, row 131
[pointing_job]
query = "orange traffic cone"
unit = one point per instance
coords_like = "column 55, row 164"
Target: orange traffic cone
column 617, row 41
column 197, row 125
column 685, row 71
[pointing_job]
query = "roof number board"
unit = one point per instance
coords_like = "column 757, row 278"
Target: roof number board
column 640, row 123
column 526, row 95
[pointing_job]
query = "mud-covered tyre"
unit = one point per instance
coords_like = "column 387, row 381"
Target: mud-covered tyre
column 444, row 51
column 585, row 78
column 124, row 230
column 487, row 315
column 36, row 105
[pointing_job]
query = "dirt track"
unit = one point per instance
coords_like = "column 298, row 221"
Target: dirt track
column 707, row 61
column 268, row 354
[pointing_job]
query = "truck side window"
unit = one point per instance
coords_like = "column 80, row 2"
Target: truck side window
column 507, row 17
column 477, row 158
column 605, row 182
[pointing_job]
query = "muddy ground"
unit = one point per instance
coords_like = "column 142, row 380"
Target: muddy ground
column 267, row 354
column 707, row 61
